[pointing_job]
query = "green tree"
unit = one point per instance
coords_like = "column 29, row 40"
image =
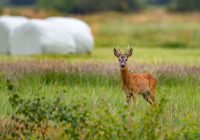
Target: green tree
column 3, row 2
column 186, row 5
column 88, row 6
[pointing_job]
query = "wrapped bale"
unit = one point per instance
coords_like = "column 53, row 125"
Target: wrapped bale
column 79, row 30
column 7, row 25
column 41, row 36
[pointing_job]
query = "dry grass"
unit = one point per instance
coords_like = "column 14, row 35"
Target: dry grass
column 31, row 66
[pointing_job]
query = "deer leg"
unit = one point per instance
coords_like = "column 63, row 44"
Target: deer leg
column 148, row 97
column 152, row 100
column 152, row 96
column 134, row 100
column 128, row 99
column 152, row 92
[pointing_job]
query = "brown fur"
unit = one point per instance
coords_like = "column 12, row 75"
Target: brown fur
column 135, row 84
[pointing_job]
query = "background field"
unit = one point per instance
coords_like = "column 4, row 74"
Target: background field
column 168, row 46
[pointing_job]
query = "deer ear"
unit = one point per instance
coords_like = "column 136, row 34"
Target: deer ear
column 117, row 52
column 129, row 52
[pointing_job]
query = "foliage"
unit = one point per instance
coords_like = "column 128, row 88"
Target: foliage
column 60, row 5
column 157, row 2
column 33, row 118
column 185, row 5
column 35, row 115
column 22, row 2
column 88, row 6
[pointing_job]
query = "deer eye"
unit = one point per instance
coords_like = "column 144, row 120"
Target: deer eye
column 126, row 59
column 119, row 59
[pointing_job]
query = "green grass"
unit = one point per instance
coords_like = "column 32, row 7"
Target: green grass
column 188, row 57
column 95, row 89
column 166, row 35
column 153, row 56
column 99, row 90
column 147, row 29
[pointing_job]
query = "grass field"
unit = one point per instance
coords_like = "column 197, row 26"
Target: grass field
column 98, row 86
column 146, row 29
column 93, row 81
column 188, row 57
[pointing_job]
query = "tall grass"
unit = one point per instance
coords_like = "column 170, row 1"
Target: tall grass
column 77, row 82
column 98, row 91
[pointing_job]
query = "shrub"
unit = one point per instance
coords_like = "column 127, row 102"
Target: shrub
column 89, row 6
column 32, row 118
column 37, row 116
column 185, row 5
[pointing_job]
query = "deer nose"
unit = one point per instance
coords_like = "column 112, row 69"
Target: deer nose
column 122, row 65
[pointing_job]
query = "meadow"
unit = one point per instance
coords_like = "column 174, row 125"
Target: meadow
column 80, row 96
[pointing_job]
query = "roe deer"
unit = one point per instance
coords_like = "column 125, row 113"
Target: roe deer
column 135, row 84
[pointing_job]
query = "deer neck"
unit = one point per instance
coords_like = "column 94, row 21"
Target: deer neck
column 124, row 75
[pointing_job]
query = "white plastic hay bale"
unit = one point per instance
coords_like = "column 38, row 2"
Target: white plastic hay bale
column 7, row 26
column 41, row 36
column 81, row 32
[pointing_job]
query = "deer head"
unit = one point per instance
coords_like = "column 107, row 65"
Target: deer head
column 123, row 58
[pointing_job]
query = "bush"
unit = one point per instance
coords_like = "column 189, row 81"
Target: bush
column 185, row 5
column 89, row 6
column 38, row 119
column 35, row 116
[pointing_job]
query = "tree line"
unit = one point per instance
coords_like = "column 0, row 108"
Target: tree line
column 89, row 6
